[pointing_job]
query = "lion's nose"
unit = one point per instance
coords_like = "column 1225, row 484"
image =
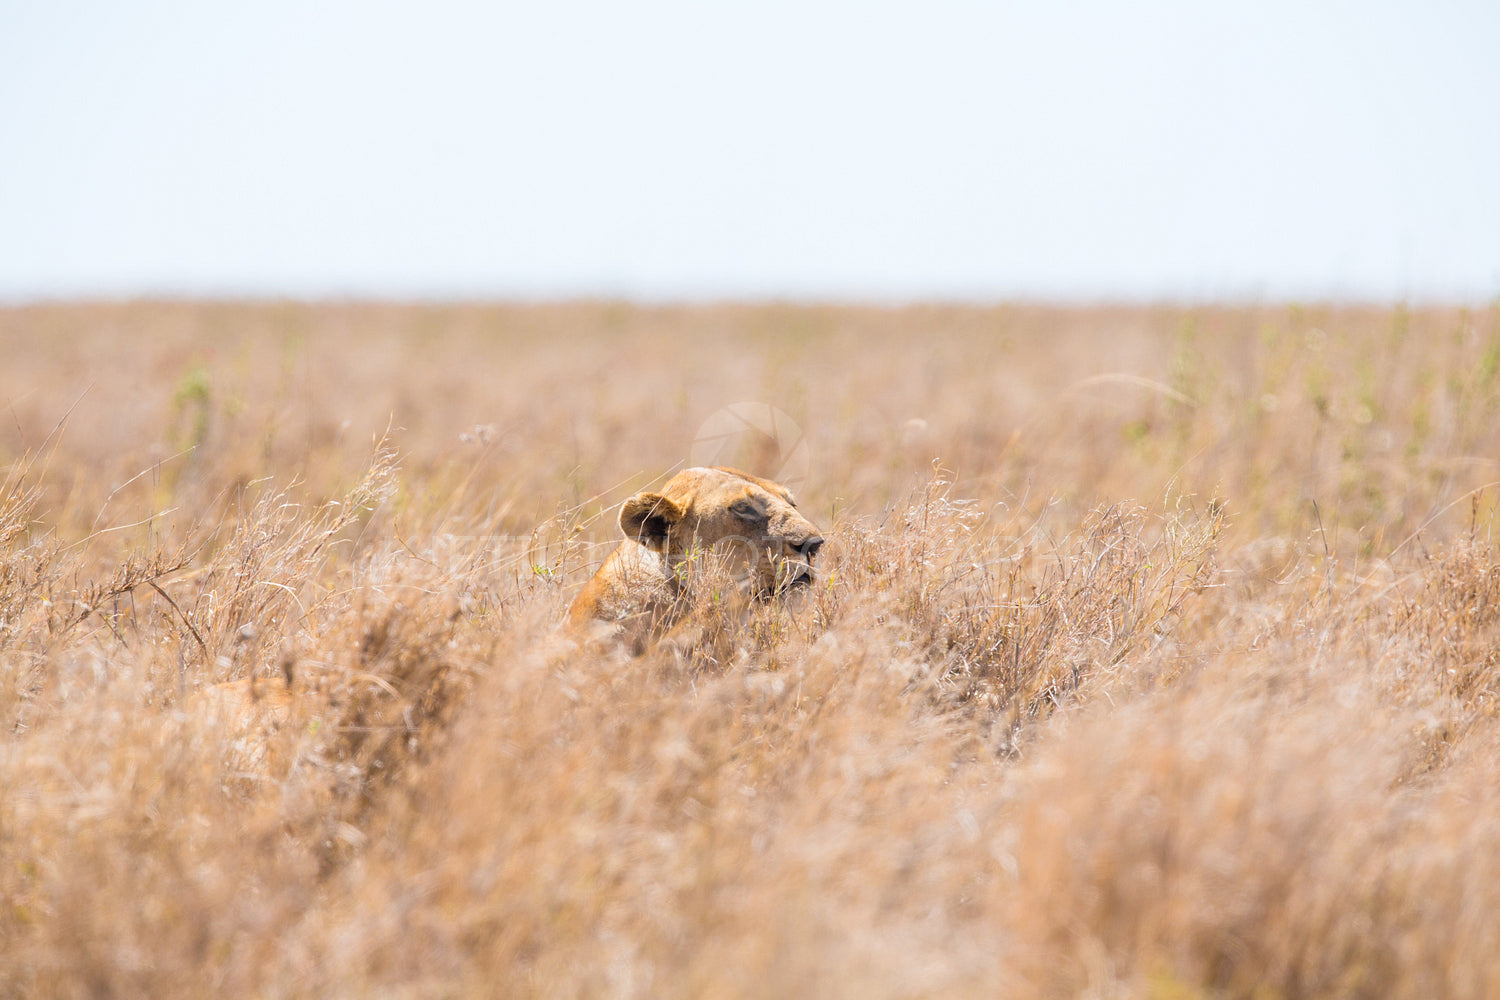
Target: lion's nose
column 810, row 547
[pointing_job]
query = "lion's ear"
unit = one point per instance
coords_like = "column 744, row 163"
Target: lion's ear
column 646, row 517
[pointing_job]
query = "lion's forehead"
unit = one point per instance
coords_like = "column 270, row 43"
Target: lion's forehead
column 770, row 502
column 696, row 488
column 756, row 491
column 769, row 486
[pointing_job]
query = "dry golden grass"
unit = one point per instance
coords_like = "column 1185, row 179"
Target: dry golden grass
column 1155, row 655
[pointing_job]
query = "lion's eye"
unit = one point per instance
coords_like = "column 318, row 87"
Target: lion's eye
column 745, row 509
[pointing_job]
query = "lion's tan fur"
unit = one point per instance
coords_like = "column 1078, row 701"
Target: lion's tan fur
column 748, row 522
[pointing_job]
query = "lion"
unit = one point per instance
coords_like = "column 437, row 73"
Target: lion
column 749, row 524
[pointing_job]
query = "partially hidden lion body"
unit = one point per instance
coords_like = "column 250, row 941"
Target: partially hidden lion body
column 747, row 524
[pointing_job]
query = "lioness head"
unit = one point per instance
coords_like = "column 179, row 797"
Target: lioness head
column 701, row 518
column 750, row 522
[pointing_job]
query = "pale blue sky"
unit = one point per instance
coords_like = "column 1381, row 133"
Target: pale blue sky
column 792, row 150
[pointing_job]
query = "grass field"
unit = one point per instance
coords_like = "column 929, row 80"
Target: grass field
column 1155, row 654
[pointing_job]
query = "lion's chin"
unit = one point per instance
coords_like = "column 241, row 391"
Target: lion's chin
column 803, row 580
